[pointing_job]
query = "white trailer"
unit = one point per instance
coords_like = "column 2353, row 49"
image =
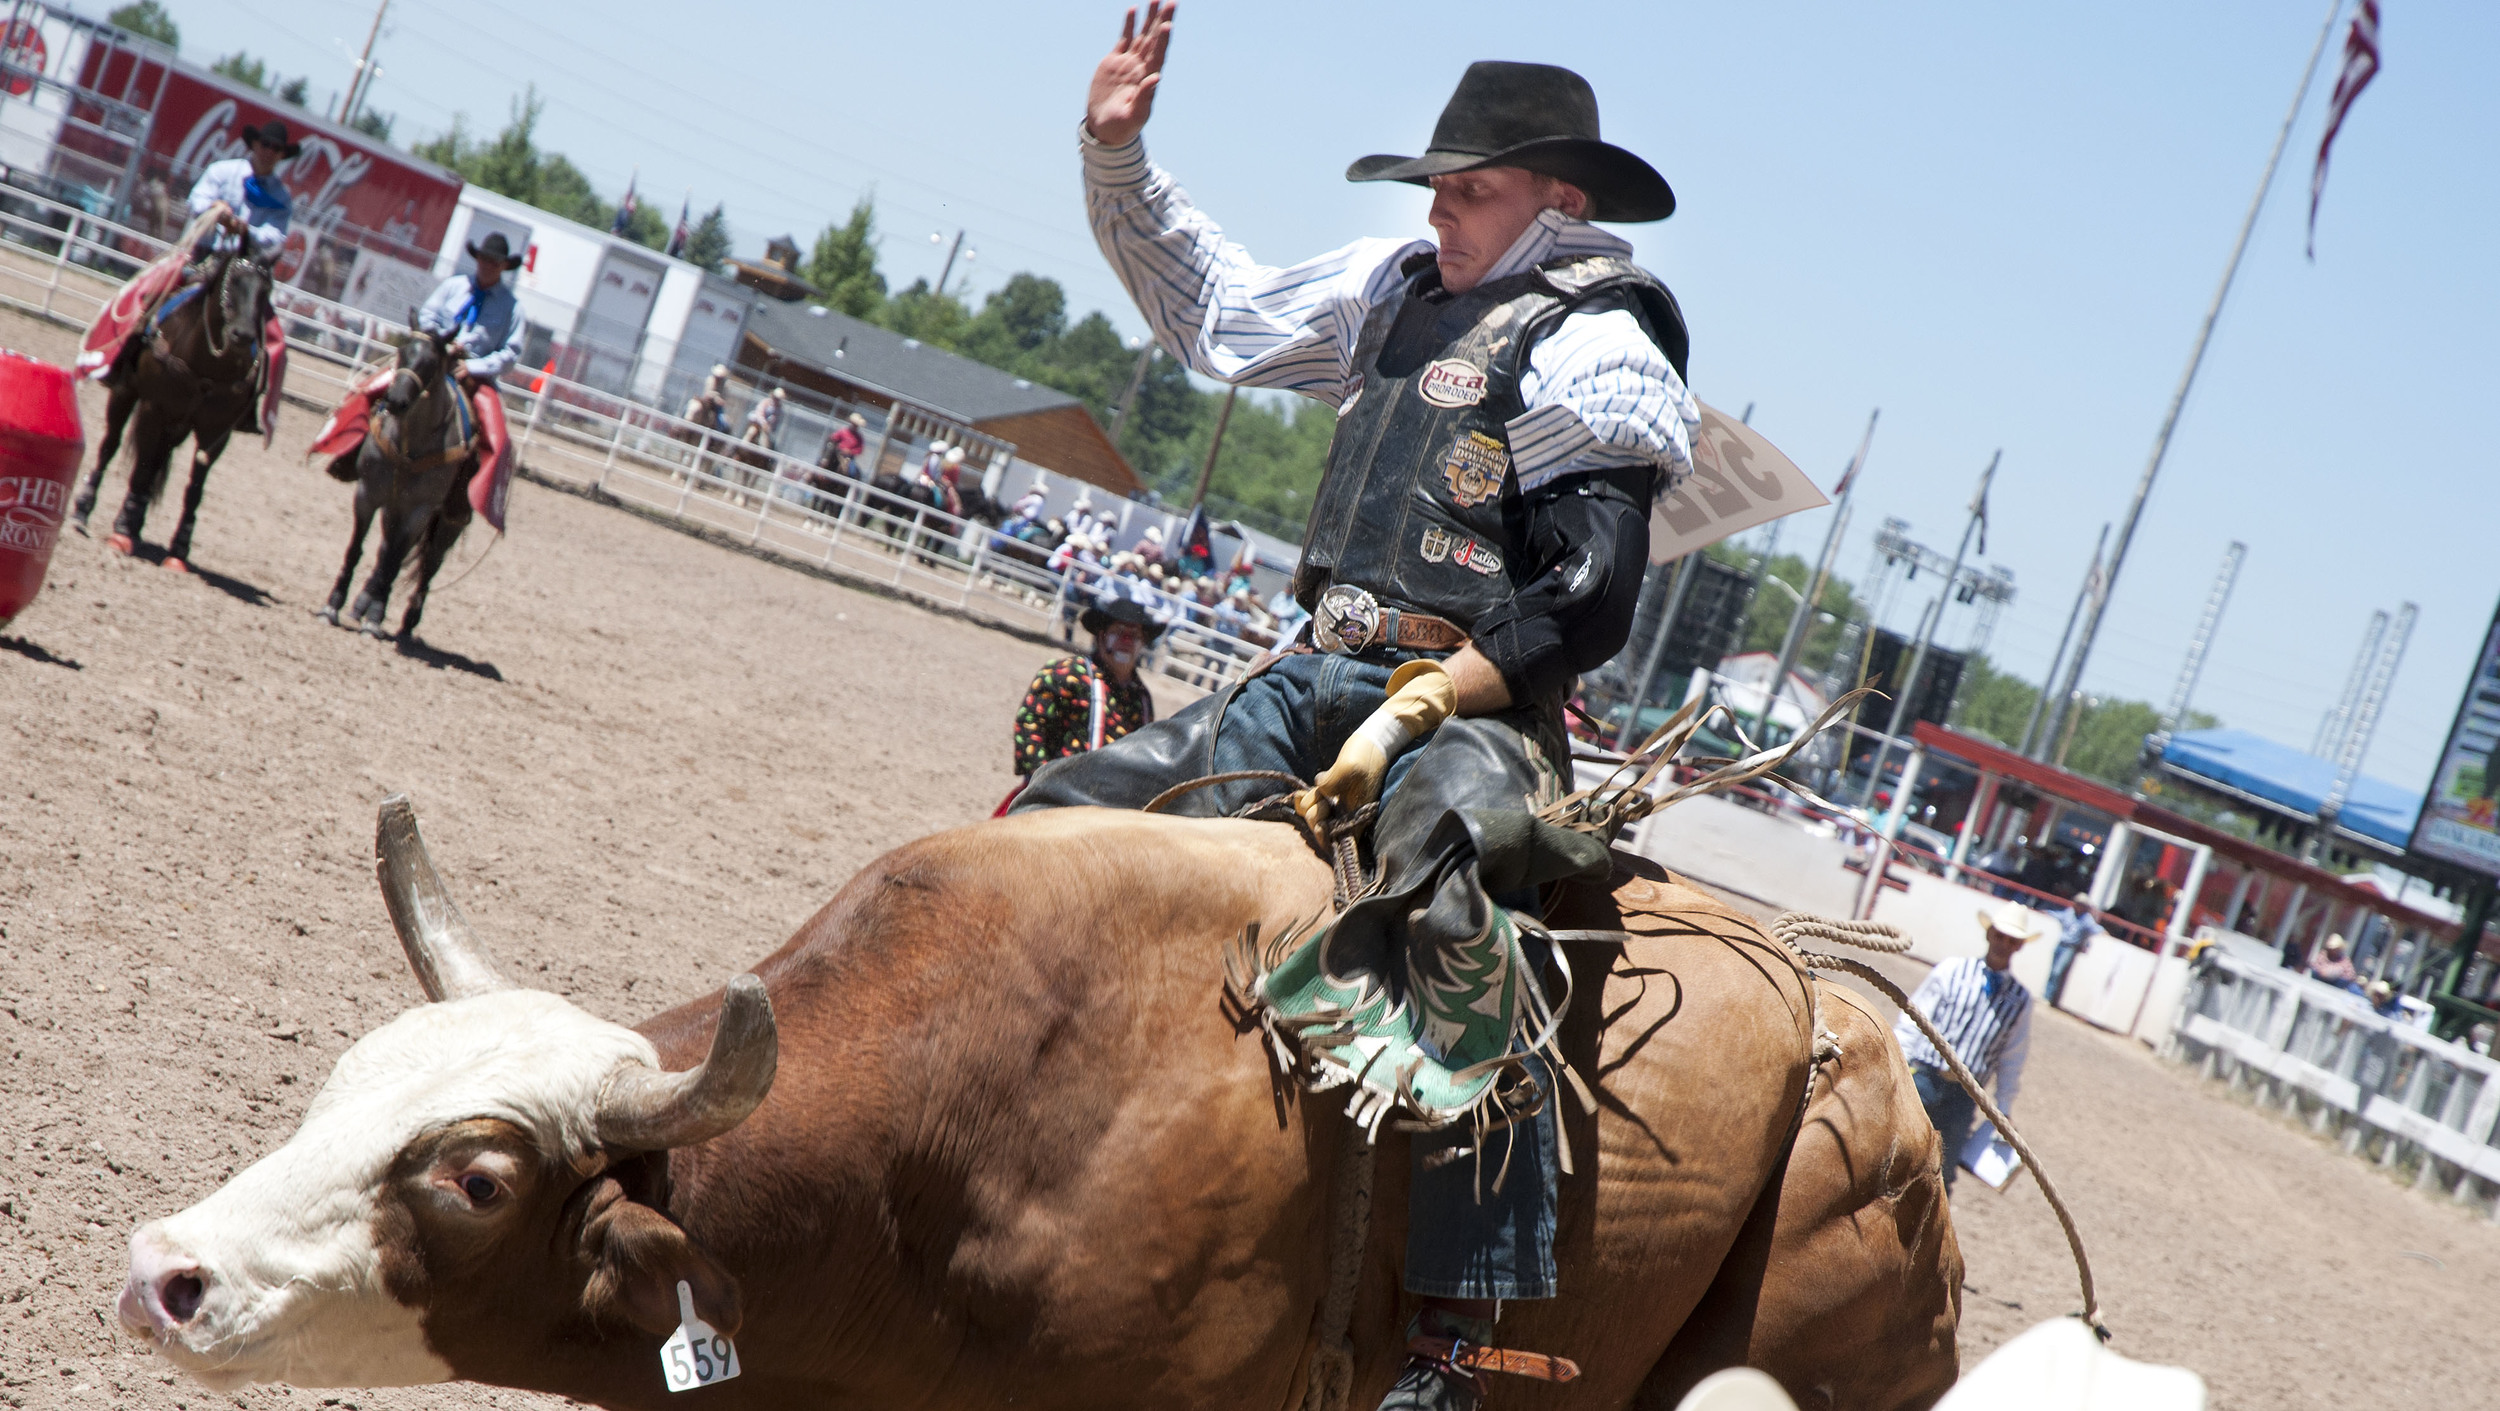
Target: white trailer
column 610, row 312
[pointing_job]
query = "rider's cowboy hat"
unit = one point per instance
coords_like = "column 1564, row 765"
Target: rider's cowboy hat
column 494, row 247
column 857, row 420
column 1113, row 607
column 1538, row 117
column 273, row 133
column 2015, row 921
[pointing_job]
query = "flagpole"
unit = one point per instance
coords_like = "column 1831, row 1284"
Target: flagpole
column 2040, row 700
column 2187, row 379
column 1927, row 631
column 1679, row 583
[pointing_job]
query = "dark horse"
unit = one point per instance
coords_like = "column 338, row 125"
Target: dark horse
column 194, row 375
column 410, row 471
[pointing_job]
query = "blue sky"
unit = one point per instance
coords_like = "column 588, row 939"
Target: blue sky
column 1998, row 223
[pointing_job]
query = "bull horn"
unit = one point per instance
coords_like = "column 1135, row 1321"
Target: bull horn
column 644, row 1109
column 447, row 958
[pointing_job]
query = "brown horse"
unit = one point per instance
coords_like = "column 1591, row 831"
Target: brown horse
column 412, row 471
column 984, row 1132
column 195, row 375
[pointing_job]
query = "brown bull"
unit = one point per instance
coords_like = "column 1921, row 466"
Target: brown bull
column 1016, row 1152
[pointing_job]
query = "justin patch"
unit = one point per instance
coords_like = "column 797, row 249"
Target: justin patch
column 1452, row 383
column 1475, row 468
column 1441, row 545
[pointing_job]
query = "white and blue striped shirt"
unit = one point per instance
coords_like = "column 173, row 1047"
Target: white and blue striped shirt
column 1985, row 1014
column 1599, row 393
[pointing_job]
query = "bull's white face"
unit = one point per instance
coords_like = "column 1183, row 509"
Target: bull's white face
column 280, row 1275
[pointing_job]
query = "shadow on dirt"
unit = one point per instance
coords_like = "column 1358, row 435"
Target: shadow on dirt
column 440, row 659
column 35, row 653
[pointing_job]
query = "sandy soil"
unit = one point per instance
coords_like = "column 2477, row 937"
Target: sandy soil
column 641, row 760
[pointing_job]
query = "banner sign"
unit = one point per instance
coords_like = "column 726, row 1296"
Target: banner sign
column 1739, row 480
column 2458, row 823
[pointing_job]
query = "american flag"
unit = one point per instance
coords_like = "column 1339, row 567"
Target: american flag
column 625, row 208
column 677, row 239
column 2360, row 66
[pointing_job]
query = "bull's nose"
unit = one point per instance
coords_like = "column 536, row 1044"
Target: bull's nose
column 164, row 1289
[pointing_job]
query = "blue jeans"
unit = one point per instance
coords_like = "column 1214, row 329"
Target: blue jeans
column 1464, row 1238
column 1950, row 1110
column 2060, row 961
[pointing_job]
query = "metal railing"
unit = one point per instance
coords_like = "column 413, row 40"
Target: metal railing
column 640, row 456
column 2394, row 1091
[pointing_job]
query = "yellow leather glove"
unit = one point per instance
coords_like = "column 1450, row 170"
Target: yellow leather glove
column 1421, row 696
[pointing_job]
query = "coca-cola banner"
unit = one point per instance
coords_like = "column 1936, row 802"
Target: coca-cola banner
column 350, row 193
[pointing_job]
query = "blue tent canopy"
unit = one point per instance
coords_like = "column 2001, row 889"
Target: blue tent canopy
column 2294, row 781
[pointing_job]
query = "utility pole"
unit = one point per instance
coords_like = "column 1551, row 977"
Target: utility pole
column 1927, row 629
column 2364, row 724
column 1128, row 399
column 360, row 83
column 1206, row 472
column 2338, row 721
column 1685, row 571
column 2187, row 379
column 1798, row 620
column 2049, row 682
column 951, row 252
column 2202, row 639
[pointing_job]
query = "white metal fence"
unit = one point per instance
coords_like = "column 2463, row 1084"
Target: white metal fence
column 64, row 265
column 2390, row 1090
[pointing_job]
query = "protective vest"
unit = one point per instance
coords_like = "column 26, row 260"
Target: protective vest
column 1420, row 506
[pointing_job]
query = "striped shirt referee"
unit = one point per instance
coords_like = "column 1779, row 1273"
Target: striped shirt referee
column 1984, row 1014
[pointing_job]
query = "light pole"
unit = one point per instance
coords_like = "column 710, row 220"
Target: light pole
column 1978, row 525
column 1848, row 489
column 1119, row 414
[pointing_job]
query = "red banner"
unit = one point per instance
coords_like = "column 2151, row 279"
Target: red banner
column 350, row 193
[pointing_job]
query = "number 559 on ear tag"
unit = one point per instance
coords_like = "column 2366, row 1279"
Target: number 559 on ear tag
column 695, row 1355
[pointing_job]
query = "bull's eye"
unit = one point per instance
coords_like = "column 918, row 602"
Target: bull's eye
column 481, row 1190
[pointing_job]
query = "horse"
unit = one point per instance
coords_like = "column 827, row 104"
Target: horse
column 410, row 470
column 195, row 375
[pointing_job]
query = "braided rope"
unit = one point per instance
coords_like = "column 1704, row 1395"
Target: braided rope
column 1790, row 927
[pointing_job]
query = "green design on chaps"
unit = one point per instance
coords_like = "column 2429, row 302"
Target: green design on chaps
column 1437, row 1057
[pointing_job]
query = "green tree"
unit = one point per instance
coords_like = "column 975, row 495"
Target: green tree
column 373, row 124
column 296, row 91
column 1766, row 619
column 244, row 69
column 148, row 20
column 921, row 312
column 708, row 243
column 843, row 266
column 513, row 165
column 1992, row 704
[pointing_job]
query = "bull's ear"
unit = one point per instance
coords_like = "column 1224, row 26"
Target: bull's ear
column 637, row 1256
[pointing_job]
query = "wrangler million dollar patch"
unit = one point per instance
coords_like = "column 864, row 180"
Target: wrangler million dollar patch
column 1475, row 468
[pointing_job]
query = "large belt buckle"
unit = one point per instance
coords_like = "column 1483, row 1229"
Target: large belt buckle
column 1347, row 619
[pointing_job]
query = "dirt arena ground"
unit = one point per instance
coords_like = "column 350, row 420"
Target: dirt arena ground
column 641, row 760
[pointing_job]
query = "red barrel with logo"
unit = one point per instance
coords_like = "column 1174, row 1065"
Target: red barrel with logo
column 41, row 445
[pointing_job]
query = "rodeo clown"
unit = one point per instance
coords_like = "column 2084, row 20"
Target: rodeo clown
column 481, row 315
column 1509, row 401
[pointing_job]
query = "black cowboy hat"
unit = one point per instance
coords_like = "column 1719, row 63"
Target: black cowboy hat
column 1111, row 607
column 273, row 133
column 494, row 247
column 1538, row 117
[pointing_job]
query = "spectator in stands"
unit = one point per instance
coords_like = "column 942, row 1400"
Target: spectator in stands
column 2333, row 965
column 1150, row 548
column 1082, row 703
column 2385, row 1002
column 2075, row 931
column 1984, row 1013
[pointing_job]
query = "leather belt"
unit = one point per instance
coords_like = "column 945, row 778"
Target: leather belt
column 1351, row 621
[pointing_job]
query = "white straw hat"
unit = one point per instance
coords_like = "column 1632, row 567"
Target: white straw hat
column 2017, row 921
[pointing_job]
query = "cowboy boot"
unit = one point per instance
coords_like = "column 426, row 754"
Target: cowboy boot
column 1429, row 1383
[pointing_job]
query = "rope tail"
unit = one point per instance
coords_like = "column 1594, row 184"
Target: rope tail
column 2005, row 1128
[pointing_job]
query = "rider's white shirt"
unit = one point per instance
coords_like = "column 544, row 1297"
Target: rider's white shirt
column 1599, row 393
column 230, row 181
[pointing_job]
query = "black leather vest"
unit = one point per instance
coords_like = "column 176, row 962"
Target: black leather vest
column 1420, row 506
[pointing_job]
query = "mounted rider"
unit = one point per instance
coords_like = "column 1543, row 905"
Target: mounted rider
column 238, row 205
column 481, row 316
column 1508, row 404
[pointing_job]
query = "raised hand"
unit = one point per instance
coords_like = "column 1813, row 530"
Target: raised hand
column 1123, row 93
